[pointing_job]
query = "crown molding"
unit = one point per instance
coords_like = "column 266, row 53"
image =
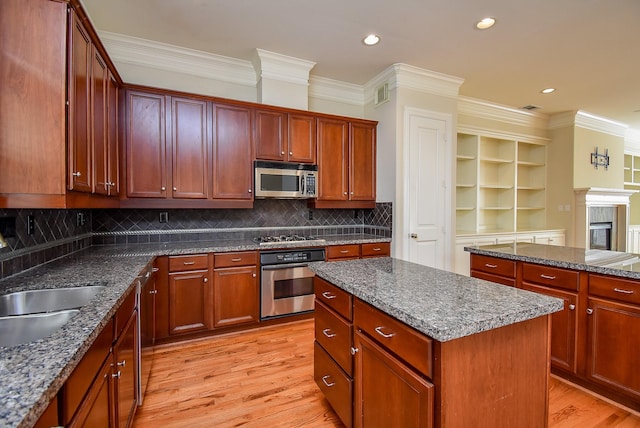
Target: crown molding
column 562, row 120
column 280, row 67
column 336, row 90
column 136, row 51
column 430, row 82
column 486, row 110
column 600, row 124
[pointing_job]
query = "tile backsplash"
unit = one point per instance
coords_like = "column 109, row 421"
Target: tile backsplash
column 57, row 233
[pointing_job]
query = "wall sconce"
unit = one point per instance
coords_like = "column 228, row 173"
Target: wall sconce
column 600, row 159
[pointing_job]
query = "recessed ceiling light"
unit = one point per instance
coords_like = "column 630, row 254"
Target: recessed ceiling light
column 485, row 23
column 371, row 39
column 548, row 90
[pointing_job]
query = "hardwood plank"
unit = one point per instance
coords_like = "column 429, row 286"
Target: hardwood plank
column 264, row 378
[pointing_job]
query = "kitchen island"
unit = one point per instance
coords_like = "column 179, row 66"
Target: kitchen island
column 432, row 348
column 595, row 339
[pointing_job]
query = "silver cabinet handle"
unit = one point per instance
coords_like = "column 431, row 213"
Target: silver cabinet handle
column 328, row 295
column 572, row 307
column 189, row 263
column 290, row 153
column 490, row 266
column 547, row 277
column 122, row 363
column 249, row 190
column 385, row 335
column 76, row 174
column 589, row 311
column 155, row 269
column 253, row 275
column 354, row 351
column 352, row 193
column 327, row 332
column 116, row 375
column 377, row 249
column 175, row 189
column 282, row 153
column 620, row 290
column 238, row 259
column 329, row 384
column 205, row 280
column 163, row 188
column 153, row 292
column 344, row 251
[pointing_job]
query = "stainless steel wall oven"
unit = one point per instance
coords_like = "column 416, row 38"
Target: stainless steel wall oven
column 287, row 282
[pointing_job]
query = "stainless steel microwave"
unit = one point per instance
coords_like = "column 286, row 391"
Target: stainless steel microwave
column 285, row 180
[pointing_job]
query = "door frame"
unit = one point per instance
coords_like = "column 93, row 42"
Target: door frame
column 402, row 237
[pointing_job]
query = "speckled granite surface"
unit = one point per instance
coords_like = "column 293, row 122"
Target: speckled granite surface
column 31, row 374
column 615, row 263
column 440, row 304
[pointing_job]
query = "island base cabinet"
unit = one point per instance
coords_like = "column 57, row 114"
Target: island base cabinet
column 336, row 386
column 387, row 392
column 614, row 346
column 97, row 409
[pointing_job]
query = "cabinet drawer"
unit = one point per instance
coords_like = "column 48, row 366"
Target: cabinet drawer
column 378, row 249
column 414, row 348
column 243, row 258
column 552, row 277
column 337, row 252
column 511, row 282
column 336, row 386
column 188, row 262
column 335, row 298
column 334, row 334
column 615, row 288
column 493, row 265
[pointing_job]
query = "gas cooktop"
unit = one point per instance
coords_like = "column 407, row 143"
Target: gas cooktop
column 288, row 239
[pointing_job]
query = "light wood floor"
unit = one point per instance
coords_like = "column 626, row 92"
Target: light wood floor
column 264, row 378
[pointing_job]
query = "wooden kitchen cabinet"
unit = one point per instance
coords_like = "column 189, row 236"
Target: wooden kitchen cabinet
column 377, row 249
column 106, row 169
column 49, row 417
column 97, row 409
column 493, row 269
column 346, row 164
column 285, row 137
column 190, row 301
column 236, row 291
column 343, row 252
column 232, row 152
column 125, row 374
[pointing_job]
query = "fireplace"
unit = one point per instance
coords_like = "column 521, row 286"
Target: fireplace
column 600, row 235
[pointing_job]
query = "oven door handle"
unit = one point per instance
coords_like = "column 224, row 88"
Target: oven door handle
column 280, row 267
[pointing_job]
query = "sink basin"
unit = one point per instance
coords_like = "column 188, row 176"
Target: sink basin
column 47, row 300
column 28, row 328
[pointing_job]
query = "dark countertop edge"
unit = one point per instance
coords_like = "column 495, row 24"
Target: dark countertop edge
column 554, row 263
column 439, row 335
column 38, row 408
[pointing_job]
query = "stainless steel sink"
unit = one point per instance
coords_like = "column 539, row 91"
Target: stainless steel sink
column 28, row 328
column 47, row 300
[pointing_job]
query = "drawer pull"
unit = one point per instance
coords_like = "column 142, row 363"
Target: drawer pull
column 490, row 266
column 327, row 332
column 547, row 276
column 620, row 290
column 189, row 263
column 329, row 384
column 385, row 335
column 344, row 251
column 122, row 363
column 377, row 249
column 237, row 259
column 116, row 375
column 354, row 350
column 589, row 311
column 572, row 307
column 328, row 295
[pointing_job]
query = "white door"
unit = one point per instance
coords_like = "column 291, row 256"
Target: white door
column 427, row 189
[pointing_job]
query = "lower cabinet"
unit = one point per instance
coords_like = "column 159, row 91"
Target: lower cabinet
column 125, row 376
column 387, row 392
column 494, row 270
column 236, row 293
column 98, row 407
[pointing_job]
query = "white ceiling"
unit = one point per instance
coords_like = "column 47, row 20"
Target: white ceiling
column 588, row 49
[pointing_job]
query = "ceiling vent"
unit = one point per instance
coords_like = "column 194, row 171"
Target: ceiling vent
column 530, row 107
column 381, row 94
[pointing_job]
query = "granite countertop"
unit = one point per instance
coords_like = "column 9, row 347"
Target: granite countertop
column 615, row 263
column 32, row 373
column 443, row 305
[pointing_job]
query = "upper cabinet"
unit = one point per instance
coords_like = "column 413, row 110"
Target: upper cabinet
column 52, row 139
column 346, row 163
column 285, row 137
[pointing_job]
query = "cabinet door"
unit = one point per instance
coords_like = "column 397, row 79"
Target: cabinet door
column 270, row 135
column 190, row 303
column 190, row 144
column 236, row 296
column 362, row 162
column 302, row 138
column 146, row 145
column 113, row 151
column 80, row 60
column 232, row 153
column 333, row 153
column 99, row 98
column 126, row 373
column 563, row 327
column 388, row 393
column 97, row 408
column 613, row 345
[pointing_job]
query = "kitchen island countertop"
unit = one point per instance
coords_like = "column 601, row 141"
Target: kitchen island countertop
column 443, row 305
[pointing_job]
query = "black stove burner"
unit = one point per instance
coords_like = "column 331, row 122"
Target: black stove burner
column 285, row 238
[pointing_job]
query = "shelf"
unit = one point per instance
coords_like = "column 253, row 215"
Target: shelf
column 465, row 208
column 465, row 157
column 496, row 160
column 496, row 208
column 466, row 185
column 496, row 186
column 533, row 164
column 530, row 208
column 530, row 188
